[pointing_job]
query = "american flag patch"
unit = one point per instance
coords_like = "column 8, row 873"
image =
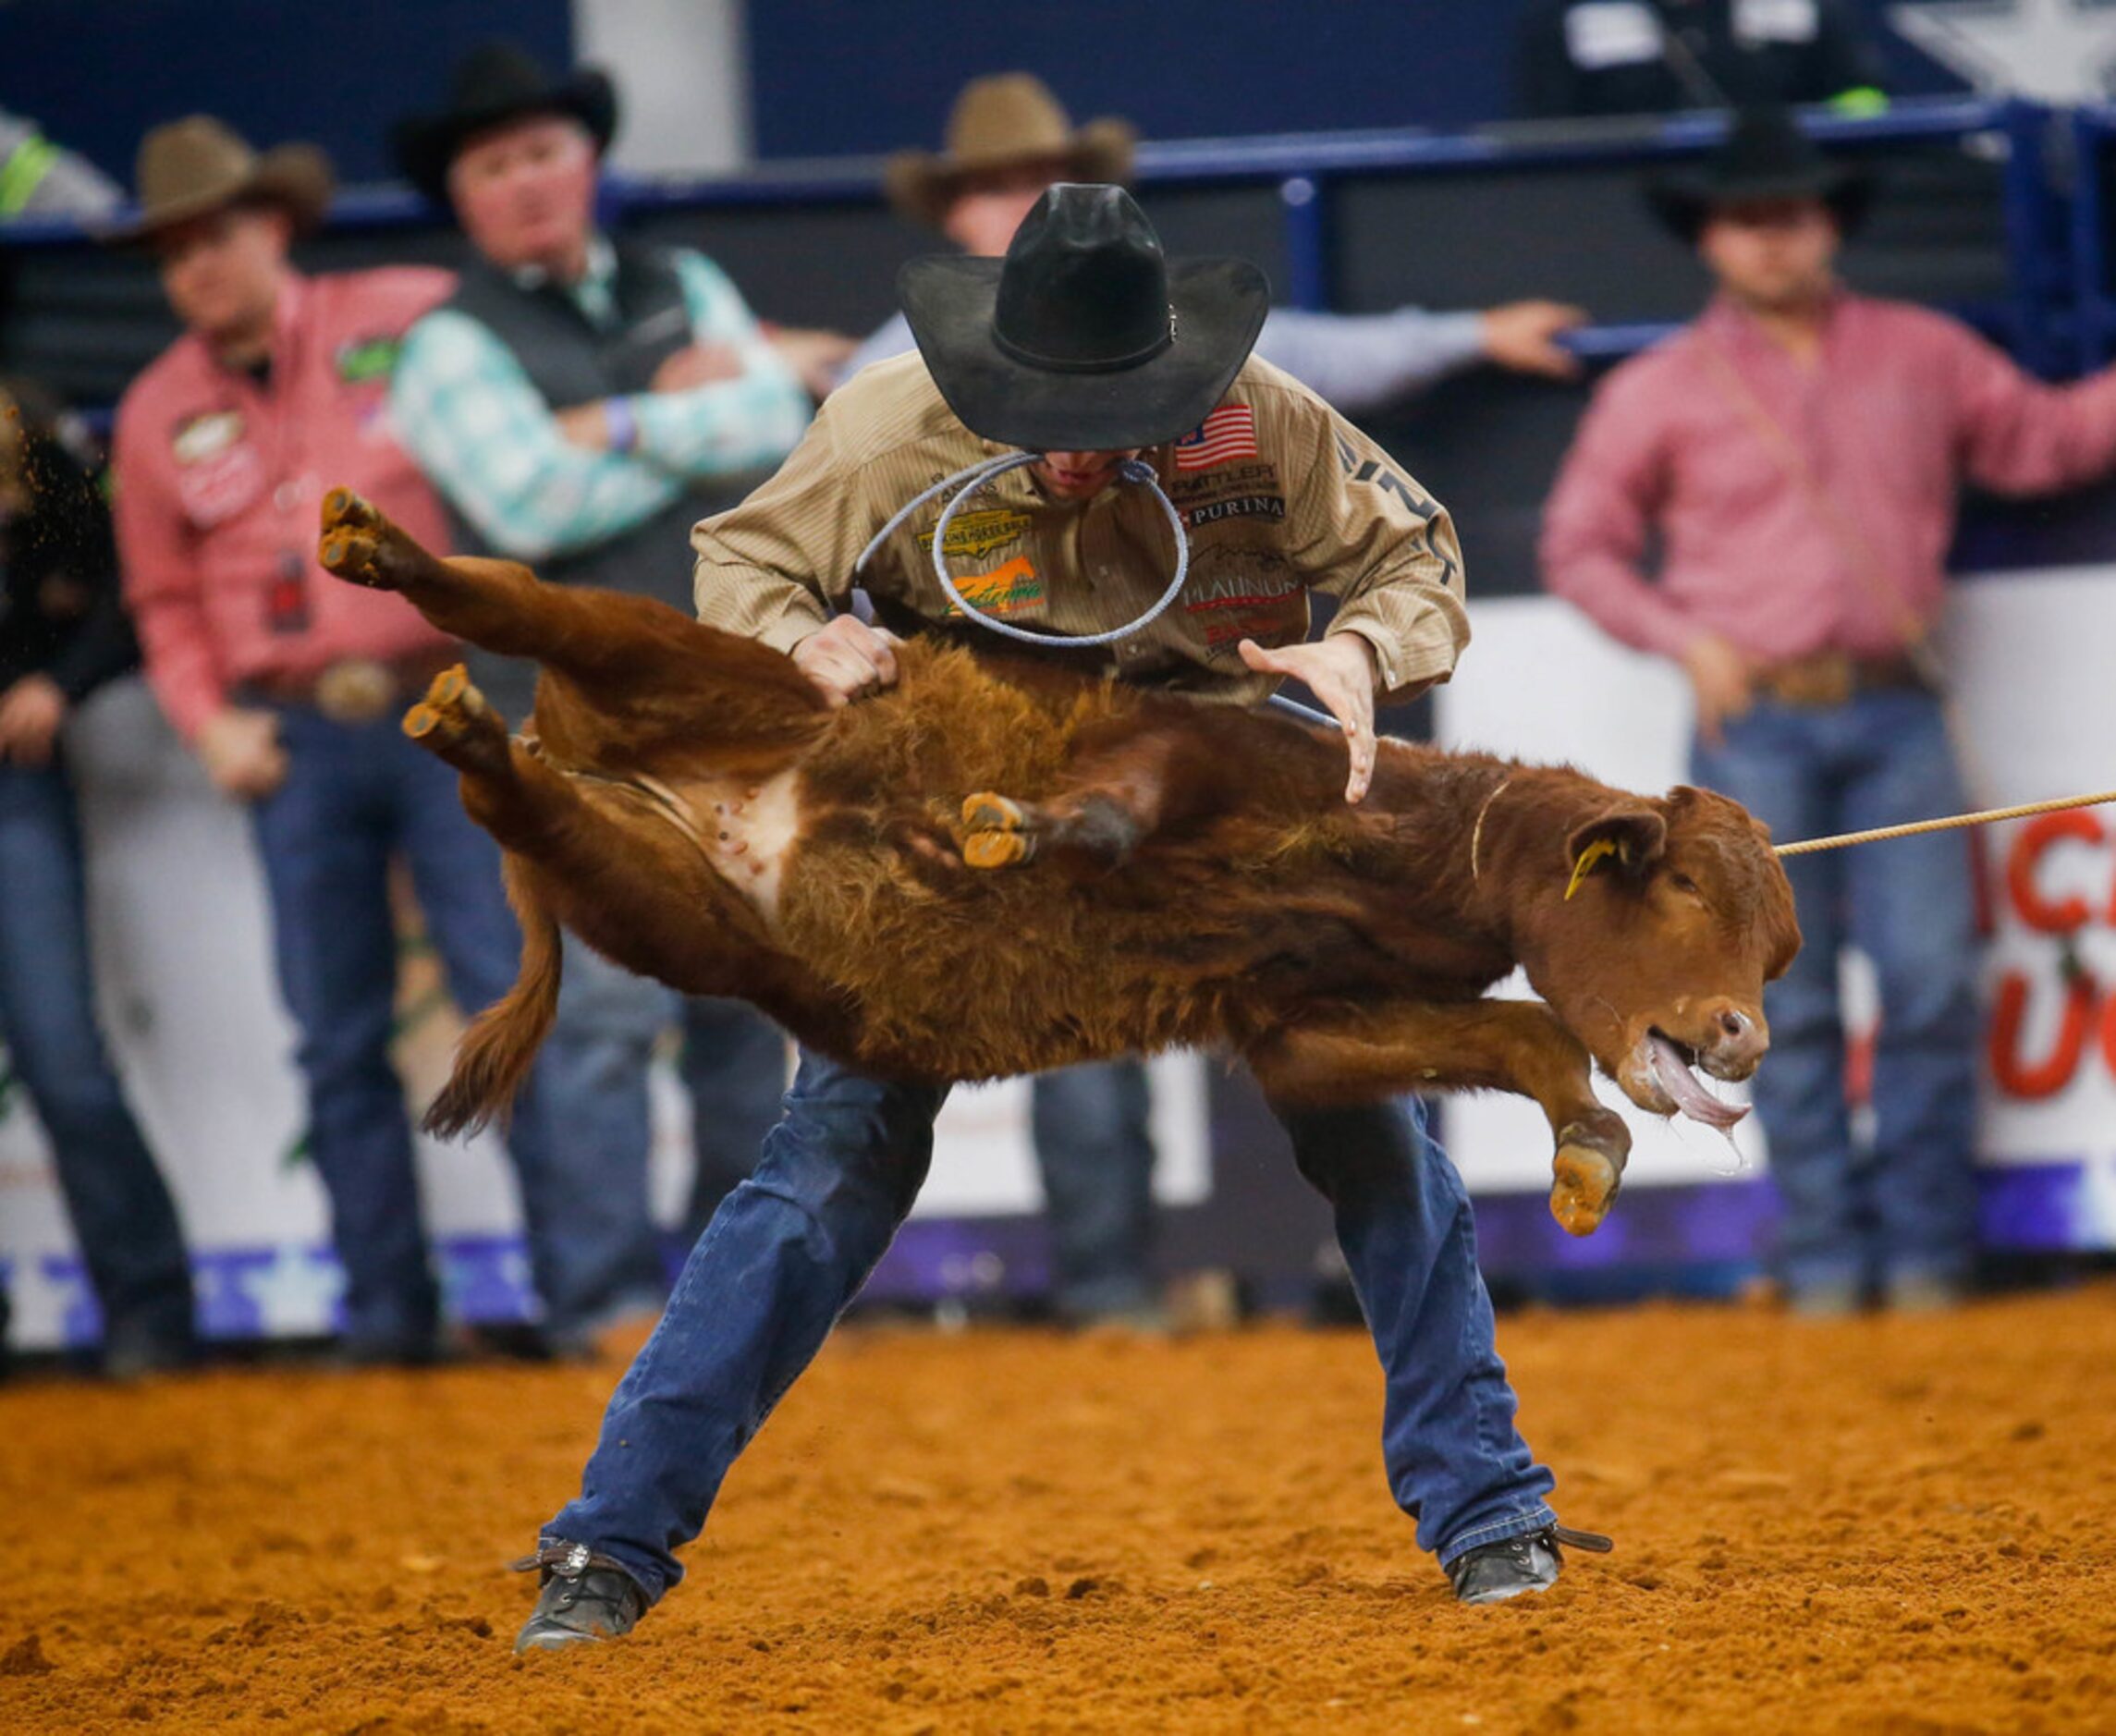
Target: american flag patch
column 1228, row 433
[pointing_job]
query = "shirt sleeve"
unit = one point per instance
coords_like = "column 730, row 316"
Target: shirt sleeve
column 1363, row 361
column 1596, row 522
column 893, row 338
column 731, row 425
column 1369, row 536
column 463, row 408
column 164, row 585
column 2017, row 436
column 775, row 568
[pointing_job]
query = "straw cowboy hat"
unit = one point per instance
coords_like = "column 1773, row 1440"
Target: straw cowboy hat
column 197, row 164
column 1764, row 156
column 1085, row 338
column 492, row 84
column 997, row 123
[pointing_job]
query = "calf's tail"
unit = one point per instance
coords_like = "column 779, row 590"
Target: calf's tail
column 494, row 1056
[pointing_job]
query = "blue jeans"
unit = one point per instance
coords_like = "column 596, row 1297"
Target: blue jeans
column 354, row 796
column 791, row 1247
column 595, row 1070
column 120, row 1208
column 1908, row 1209
column 1094, row 1148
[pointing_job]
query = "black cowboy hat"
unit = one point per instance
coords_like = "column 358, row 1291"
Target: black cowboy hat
column 494, row 84
column 1764, row 155
column 1085, row 338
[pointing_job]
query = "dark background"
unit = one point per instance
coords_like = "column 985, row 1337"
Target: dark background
column 827, row 77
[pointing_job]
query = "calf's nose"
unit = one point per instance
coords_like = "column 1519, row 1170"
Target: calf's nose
column 1741, row 1037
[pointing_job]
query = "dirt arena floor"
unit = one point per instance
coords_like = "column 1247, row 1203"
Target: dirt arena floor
column 1897, row 1526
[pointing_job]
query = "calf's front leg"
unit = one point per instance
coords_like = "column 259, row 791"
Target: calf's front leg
column 1482, row 1046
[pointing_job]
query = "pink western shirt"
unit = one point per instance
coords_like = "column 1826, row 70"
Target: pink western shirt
column 220, row 483
column 1785, row 559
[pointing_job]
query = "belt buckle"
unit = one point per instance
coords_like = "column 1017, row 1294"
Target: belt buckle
column 1826, row 679
column 356, row 690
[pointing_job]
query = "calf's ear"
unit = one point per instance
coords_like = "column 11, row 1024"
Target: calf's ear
column 1634, row 836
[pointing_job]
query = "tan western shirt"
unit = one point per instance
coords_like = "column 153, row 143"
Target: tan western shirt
column 1279, row 494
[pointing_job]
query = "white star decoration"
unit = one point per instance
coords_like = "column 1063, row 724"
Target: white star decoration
column 2061, row 52
column 295, row 1293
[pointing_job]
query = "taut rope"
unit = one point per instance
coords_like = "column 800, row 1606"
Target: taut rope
column 1953, row 822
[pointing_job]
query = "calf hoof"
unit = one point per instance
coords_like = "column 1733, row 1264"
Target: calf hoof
column 998, row 834
column 457, row 722
column 1583, row 1183
column 360, row 545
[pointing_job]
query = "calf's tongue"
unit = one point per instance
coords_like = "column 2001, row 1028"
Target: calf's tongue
column 1680, row 1083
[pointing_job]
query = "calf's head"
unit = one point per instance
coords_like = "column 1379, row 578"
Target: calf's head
column 1651, row 933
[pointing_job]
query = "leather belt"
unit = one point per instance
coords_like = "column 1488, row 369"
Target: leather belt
column 1831, row 678
column 353, row 690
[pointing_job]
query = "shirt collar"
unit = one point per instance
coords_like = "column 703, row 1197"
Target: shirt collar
column 595, row 292
column 1728, row 320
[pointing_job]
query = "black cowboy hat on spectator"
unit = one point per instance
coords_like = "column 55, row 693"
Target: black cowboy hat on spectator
column 494, row 84
column 1085, row 338
column 1005, row 122
column 199, row 164
column 1764, row 156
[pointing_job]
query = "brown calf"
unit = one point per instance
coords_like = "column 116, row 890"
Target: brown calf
column 1158, row 873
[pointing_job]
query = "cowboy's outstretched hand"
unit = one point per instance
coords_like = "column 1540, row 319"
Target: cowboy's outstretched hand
column 1340, row 671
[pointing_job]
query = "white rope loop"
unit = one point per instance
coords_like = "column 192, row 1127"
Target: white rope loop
column 977, row 477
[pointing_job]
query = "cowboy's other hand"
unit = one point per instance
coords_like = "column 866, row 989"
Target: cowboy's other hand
column 846, row 659
column 698, row 364
column 815, row 357
column 240, row 751
column 31, row 713
column 1339, row 671
column 1721, row 682
column 1522, row 335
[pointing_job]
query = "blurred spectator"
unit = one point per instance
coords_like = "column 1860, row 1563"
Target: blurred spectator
column 39, row 179
column 580, row 403
column 1008, row 138
column 1654, row 56
column 62, row 634
column 1795, row 452
column 287, row 683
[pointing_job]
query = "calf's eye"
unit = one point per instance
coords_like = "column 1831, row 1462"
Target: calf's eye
column 1682, row 883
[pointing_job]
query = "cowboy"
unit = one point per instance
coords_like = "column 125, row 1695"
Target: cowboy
column 1127, row 377
column 580, row 403
column 288, row 685
column 1795, row 453
column 1008, row 138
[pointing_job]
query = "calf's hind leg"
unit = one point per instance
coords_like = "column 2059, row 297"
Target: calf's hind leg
column 630, row 883
column 648, row 670
column 1489, row 1045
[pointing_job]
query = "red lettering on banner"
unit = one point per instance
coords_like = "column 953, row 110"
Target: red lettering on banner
column 2033, row 1081
column 2025, row 856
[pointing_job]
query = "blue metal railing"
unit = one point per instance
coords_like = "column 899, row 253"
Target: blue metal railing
column 2058, row 311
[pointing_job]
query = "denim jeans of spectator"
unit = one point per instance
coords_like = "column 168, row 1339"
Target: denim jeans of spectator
column 791, row 1247
column 1906, row 1210
column 1094, row 1148
column 355, row 795
column 119, row 1207
column 732, row 1064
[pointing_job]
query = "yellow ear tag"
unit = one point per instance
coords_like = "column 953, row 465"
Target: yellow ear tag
column 1585, row 866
